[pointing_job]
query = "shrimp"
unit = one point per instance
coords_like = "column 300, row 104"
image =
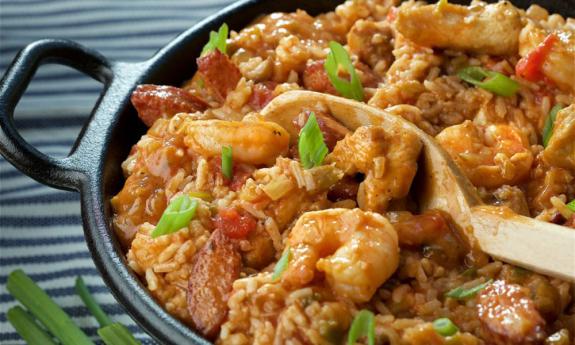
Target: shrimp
column 560, row 151
column 388, row 158
column 357, row 250
column 255, row 142
column 558, row 64
column 480, row 28
column 490, row 156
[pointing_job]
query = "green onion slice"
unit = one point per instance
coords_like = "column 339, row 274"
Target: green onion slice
column 363, row 325
column 311, row 147
column 45, row 309
column 571, row 205
column 282, row 264
column 26, row 326
column 441, row 4
column 492, row 81
column 227, row 162
column 445, row 327
column 117, row 334
column 177, row 215
column 90, row 302
column 461, row 293
column 549, row 122
column 217, row 41
column 338, row 57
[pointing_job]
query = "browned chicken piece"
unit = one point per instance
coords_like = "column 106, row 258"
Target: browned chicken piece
column 479, row 28
column 560, row 151
column 559, row 63
column 372, row 43
column 508, row 316
column 545, row 182
column 214, row 269
column 388, row 158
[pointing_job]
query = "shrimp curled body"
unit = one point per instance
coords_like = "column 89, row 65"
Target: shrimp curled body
column 256, row 142
column 356, row 250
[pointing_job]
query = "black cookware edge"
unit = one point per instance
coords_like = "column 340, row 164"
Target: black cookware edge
column 93, row 165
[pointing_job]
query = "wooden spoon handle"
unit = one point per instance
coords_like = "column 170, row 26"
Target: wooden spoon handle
column 542, row 247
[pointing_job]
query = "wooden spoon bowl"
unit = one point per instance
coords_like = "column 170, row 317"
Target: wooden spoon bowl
column 542, row 247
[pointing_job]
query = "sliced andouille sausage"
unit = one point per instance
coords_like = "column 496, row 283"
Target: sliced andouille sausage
column 219, row 73
column 214, row 269
column 160, row 101
column 508, row 316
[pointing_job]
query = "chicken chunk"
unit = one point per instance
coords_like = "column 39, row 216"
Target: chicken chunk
column 479, row 28
column 560, row 151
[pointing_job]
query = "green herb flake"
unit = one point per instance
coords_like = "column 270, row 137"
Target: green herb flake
column 571, row 205
column 282, row 264
column 461, row 293
column 177, row 215
column 491, row 81
column 337, row 57
column 363, row 325
column 311, row 147
column 445, row 327
column 227, row 162
column 549, row 123
column 217, row 41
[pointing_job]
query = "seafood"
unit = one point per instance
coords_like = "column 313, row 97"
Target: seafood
column 490, row 156
column 253, row 142
column 356, row 250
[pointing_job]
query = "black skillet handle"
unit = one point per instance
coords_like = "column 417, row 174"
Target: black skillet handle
column 63, row 173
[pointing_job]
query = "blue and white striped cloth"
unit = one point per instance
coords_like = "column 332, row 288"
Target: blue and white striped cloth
column 40, row 227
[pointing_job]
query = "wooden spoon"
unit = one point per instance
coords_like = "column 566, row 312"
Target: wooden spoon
column 542, row 247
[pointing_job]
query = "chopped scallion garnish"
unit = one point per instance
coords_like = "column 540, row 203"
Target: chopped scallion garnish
column 461, row 293
column 282, row 264
column 45, row 309
column 441, row 4
column 492, row 81
column 227, row 162
column 117, row 334
column 549, row 123
column 338, row 57
column 177, row 215
column 27, row 328
column 91, row 304
column 363, row 325
column 311, row 147
column 571, row 205
column 445, row 327
column 217, row 40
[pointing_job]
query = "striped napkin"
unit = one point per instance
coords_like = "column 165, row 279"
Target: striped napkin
column 40, row 227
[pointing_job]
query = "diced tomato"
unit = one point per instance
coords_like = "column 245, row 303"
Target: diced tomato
column 240, row 173
column 529, row 67
column 315, row 78
column 233, row 224
column 262, row 94
column 392, row 14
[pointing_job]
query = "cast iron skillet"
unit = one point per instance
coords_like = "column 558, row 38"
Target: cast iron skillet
column 93, row 165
